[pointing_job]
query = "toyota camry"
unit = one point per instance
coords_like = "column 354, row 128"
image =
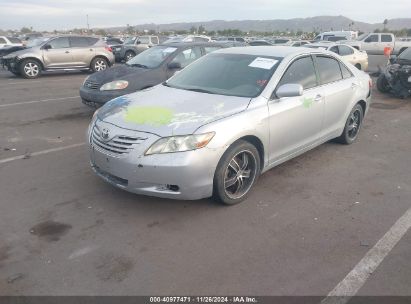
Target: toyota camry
column 214, row 128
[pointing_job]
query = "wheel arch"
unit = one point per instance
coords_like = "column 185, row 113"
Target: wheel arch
column 256, row 142
column 31, row 58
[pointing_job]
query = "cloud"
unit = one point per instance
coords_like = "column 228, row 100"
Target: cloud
column 51, row 14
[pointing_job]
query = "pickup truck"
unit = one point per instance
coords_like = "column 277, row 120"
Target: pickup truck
column 375, row 43
column 136, row 45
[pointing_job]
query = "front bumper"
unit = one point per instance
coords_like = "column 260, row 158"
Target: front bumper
column 184, row 175
column 97, row 98
column 9, row 63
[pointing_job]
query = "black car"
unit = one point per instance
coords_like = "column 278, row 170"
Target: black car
column 145, row 70
column 396, row 78
column 116, row 45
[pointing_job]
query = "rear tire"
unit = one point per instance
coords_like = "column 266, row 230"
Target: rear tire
column 30, row 69
column 236, row 173
column 382, row 84
column 352, row 126
column 99, row 64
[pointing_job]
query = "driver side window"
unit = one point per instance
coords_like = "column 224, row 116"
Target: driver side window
column 59, row 43
column 302, row 72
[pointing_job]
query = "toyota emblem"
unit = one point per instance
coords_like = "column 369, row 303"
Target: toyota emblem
column 105, row 133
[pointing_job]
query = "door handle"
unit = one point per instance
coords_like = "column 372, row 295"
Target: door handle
column 354, row 85
column 318, row 98
column 67, row 52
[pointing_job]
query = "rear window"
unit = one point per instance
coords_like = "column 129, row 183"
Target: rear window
column 345, row 71
column 329, row 69
column 386, row 38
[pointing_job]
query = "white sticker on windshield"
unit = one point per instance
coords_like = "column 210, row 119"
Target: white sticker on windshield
column 263, row 63
column 169, row 50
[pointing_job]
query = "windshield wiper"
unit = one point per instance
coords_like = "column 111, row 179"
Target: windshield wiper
column 138, row 65
column 200, row 90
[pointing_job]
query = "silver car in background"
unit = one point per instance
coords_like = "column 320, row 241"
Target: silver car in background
column 60, row 53
column 213, row 128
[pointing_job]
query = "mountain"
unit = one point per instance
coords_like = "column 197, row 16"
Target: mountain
column 319, row 23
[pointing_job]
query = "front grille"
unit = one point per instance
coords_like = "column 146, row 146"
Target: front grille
column 118, row 145
column 93, row 85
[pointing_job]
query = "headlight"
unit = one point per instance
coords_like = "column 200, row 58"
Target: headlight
column 180, row 143
column 115, row 85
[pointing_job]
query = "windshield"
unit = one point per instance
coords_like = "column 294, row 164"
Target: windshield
column 405, row 55
column 36, row 42
column 227, row 74
column 151, row 58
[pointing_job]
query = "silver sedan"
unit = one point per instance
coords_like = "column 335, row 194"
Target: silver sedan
column 213, row 128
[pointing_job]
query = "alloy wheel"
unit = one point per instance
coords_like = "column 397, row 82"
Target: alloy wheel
column 31, row 69
column 240, row 174
column 100, row 65
column 354, row 124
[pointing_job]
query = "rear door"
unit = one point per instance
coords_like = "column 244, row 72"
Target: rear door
column 296, row 122
column 338, row 86
column 59, row 54
column 82, row 50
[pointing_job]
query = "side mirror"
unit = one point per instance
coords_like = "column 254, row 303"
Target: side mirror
column 46, row 47
column 174, row 65
column 393, row 58
column 138, row 42
column 289, row 90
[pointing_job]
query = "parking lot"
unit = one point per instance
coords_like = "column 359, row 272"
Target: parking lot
column 306, row 225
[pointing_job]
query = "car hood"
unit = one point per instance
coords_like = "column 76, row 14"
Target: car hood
column 121, row 72
column 24, row 51
column 167, row 111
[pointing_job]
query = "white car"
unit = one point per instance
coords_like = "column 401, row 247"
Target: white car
column 9, row 41
column 357, row 58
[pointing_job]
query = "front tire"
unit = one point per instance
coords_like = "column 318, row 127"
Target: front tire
column 129, row 55
column 99, row 64
column 236, row 173
column 382, row 84
column 30, row 69
column 352, row 126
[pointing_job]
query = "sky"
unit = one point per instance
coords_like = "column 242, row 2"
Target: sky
column 68, row 14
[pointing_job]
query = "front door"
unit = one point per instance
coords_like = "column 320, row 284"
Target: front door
column 296, row 122
column 59, row 54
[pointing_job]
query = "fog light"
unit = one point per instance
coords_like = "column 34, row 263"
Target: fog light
column 173, row 188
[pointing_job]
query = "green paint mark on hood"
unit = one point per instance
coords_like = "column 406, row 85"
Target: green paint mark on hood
column 148, row 115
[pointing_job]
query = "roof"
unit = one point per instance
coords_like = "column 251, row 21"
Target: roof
column 274, row 51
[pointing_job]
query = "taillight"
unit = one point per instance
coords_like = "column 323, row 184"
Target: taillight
column 370, row 83
column 108, row 48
